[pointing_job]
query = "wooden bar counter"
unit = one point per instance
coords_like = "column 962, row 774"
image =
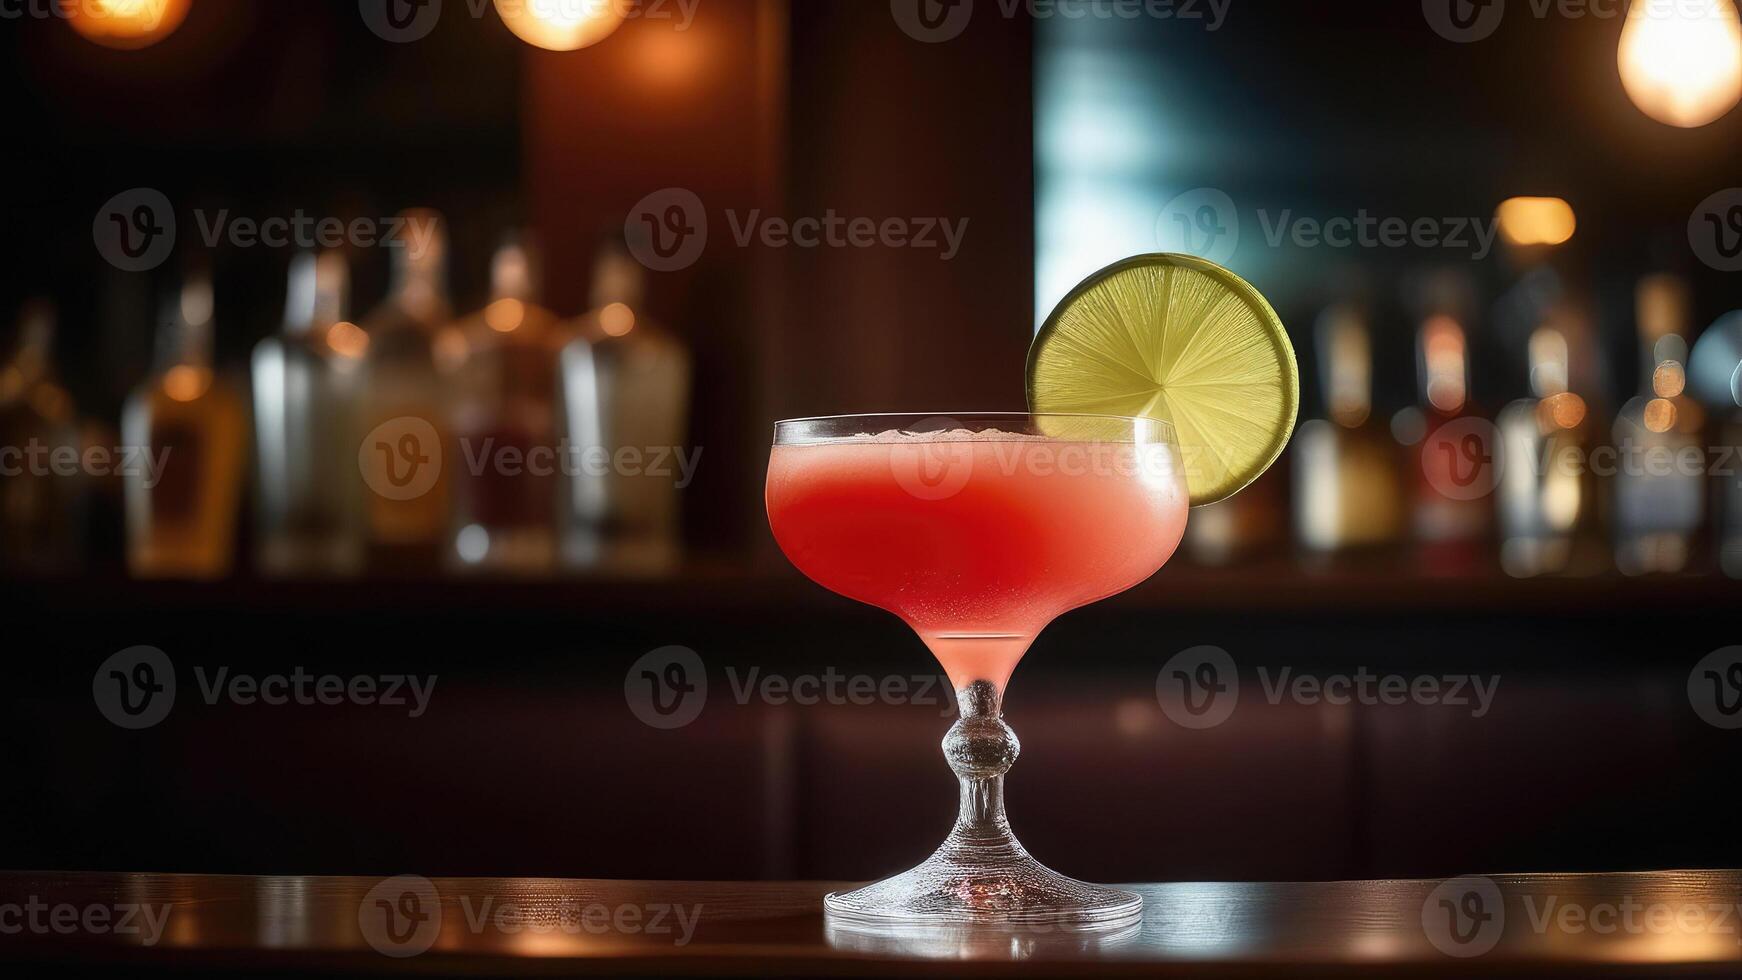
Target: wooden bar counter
column 1682, row 923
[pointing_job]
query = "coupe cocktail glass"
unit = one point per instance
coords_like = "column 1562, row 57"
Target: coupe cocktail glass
column 978, row 530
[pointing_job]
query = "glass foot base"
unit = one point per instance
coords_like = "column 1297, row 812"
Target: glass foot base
column 993, row 886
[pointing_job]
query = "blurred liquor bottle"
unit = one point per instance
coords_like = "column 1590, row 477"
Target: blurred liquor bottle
column 1660, row 484
column 1242, row 527
column 1728, row 480
column 402, row 418
column 1454, row 458
column 1545, row 496
column 190, row 424
column 44, row 490
column 626, row 388
column 1716, row 380
column 1347, row 493
column 504, row 417
column 305, row 380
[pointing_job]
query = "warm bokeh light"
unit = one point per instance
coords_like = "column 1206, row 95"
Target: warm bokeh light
column 451, row 348
column 616, row 319
column 1681, row 62
column 1563, row 411
column 561, row 25
column 670, row 59
column 1136, row 717
column 1536, row 220
column 1442, row 352
column 126, row 24
column 1549, row 362
column 348, row 340
column 1343, row 334
column 1660, row 415
column 12, row 383
column 186, row 382
column 505, row 315
column 51, row 402
column 1669, row 379
column 1661, row 304
column 197, row 301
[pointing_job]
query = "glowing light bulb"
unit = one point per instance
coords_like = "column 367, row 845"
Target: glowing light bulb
column 561, row 25
column 1681, row 60
column 126, row 24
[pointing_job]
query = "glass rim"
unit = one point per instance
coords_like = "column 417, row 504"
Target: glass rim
column 1137, row 422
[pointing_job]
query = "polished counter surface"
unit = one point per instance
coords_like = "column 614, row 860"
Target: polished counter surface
column 1645, row 924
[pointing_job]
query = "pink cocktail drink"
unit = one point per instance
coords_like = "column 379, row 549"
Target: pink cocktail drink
column 976, row 539
column 977, row 532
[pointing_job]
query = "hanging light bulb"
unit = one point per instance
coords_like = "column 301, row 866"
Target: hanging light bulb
column 561, row 25
column 1681, row 60
column 126, row 24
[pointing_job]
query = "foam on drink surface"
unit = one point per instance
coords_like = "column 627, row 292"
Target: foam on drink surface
column 945, row 435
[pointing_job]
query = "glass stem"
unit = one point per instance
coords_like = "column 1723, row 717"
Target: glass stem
column 980, row 748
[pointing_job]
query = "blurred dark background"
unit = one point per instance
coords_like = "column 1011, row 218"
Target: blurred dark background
column 1065, row 143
